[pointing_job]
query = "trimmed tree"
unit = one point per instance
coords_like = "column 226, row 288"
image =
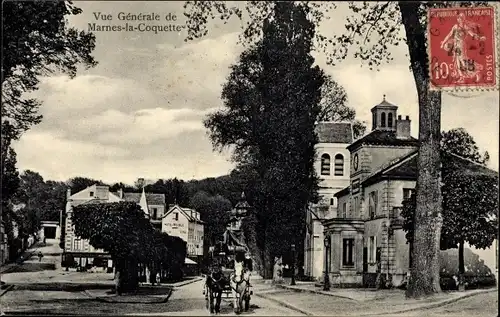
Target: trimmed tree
column 122, row 230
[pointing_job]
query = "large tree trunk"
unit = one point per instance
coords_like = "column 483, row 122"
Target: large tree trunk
column 126, row 276
column 268, row 265
column 461, row 266
column 424, row 278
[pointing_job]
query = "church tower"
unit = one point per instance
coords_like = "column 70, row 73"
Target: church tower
column 384, row 116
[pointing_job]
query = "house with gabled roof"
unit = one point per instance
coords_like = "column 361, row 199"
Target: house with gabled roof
column 332, row 166
column 185, row 223
column 366, row 235
column 152, row 204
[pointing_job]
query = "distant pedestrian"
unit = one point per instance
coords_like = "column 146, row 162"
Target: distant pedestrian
column 40, row 256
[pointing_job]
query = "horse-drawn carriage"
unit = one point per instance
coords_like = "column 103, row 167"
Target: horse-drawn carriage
column 229, row 274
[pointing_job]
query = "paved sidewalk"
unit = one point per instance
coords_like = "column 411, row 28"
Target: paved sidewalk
column 358, row 302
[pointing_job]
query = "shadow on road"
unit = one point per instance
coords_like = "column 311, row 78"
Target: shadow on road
column 33, row 267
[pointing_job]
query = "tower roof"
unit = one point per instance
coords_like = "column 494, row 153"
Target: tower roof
column 385, row 105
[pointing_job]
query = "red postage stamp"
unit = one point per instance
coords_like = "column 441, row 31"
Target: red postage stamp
column 462, row 48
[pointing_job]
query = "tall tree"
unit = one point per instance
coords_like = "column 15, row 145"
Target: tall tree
column 36, row 41
column 272, row 127
column 384, row 19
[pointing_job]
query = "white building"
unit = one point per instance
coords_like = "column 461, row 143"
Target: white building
column 186, row 224
column 333, row 168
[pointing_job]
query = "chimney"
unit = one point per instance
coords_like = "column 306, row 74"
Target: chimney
column 68, row 193
column 120, row 193
column 403, row 128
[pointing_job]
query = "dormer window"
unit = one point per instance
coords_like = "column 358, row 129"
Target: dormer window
column 382, row 119
column 91, row 194
column 389, row 120
column 339, row 165
column 325, row 164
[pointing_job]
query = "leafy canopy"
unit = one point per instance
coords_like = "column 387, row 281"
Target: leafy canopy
column 36, row 41
column 119, row 228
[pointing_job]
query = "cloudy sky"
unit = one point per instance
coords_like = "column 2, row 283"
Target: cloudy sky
column 139, row 113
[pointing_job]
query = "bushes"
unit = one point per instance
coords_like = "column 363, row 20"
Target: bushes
column 449, row 282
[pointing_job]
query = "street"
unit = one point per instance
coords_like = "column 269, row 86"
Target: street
column 43, row 287
column 40, row 290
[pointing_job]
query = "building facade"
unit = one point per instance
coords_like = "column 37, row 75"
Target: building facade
column 186, row 224
column 332, row 167
column 366, row 235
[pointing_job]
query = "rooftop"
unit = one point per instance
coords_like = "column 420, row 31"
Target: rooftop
column 152, row 199
column 383, row 137
column 334, row 132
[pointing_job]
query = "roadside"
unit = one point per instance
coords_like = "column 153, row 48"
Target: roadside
column 26, row 255
column 359, row 302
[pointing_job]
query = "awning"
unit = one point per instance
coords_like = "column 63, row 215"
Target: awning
column 189, row 261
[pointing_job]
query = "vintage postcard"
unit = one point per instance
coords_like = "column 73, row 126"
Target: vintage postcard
column 270, row 158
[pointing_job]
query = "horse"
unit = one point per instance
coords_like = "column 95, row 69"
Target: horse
column 215, row 283
column 240, row 282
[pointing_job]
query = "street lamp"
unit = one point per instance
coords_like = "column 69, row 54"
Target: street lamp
column 326, row 284
column 293, row 265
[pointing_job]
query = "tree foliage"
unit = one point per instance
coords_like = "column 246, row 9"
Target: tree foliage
column 36, row 41
column 334, row 106
column 123, row 230
column 213, row 211
column 79, row 183
column 460, row 142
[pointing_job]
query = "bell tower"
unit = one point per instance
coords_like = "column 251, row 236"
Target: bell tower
column 384, row 116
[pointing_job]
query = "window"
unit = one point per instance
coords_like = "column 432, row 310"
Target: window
column 348, row 252
column 332, row 201
column 407, row 192
column 76, row 244
column 354, row 211
column 382, row 120
column 176, row 216
column 339, row 165
column 154, row 211
column 325, row 164
column 344, row 210
column 91, row 194
column 372, row 249
column 389, row 120
column 373, row 203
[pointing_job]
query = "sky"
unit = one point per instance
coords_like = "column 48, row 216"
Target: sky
column 140, row 112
